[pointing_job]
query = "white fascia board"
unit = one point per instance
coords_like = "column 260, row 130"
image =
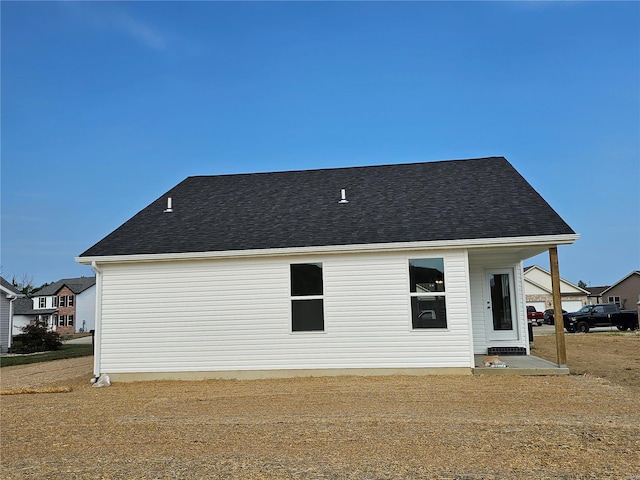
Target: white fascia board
column 512, row 242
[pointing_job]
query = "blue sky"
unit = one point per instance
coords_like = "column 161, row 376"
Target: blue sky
column 107, row 105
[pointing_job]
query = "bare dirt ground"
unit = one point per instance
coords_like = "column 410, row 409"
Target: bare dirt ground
column 583, row 426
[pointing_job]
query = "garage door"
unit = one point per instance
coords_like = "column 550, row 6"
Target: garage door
column 571, row 305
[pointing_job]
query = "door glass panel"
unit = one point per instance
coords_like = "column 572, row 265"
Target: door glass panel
column 501, row 301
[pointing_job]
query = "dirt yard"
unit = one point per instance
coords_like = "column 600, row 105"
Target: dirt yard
column 583, row 426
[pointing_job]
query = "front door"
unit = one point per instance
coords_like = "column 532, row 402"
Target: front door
column 501, row 315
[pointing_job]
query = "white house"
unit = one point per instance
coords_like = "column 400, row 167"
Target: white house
column 408, row 268
column 538, row 291
column 8, row 295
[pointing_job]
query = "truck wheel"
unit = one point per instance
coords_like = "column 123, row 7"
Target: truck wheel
column 582, row 327
column 571, row 329
column 622, row 328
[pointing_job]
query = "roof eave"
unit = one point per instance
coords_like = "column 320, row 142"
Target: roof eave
column 561, row 279
column 506, row 242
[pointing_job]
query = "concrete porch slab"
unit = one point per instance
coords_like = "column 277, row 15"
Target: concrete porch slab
column 520, row 365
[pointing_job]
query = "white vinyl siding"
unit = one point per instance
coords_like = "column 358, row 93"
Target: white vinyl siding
column 86, row 310
column 216, row 315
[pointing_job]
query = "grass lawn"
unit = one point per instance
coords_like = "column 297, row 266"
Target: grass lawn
column 66, row 351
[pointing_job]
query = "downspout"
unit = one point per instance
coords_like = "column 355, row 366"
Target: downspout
column 525, row 328
column 10, row 340
column 97, row 338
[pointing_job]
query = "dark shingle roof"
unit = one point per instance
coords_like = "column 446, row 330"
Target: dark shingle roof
column 447, row 200
column 76, row 285
column 9, row 287
column 24, row 306
column 597, row 291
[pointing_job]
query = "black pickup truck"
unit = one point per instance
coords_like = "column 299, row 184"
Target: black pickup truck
column 601, row 315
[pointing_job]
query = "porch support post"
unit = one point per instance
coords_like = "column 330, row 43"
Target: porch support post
column 557, row 307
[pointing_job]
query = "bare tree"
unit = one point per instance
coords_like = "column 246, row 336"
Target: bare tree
column 24, row 283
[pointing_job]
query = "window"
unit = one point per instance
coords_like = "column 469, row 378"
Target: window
column 427, row 292
column 69, row 320
column 70, row 301
column 42, row 302
column 62, row 301
column 55, row 301
column 615, row 300
column 307, row 303
column 61, row 320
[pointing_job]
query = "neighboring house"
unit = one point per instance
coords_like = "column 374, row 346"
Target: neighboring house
column 409, row 268
column 24, row 314
column 8, row 295
column 539, row 293
column 595, row 294
column 68, row 305
column 625, row 292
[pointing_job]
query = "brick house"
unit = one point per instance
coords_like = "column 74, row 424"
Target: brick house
column 68, row 305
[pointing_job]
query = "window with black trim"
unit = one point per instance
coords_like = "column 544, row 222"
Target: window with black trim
column 307, row 297
column 428, row 293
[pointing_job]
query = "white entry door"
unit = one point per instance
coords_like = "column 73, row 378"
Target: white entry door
column 501, row 315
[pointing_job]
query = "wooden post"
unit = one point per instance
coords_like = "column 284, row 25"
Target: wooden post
column 557, row 307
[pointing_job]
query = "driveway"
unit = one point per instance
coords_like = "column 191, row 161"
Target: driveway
column 82, row 340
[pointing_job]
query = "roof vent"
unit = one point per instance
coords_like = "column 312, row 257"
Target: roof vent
column 343, row 194
column 168, row 209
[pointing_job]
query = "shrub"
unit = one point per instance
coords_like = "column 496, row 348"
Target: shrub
column 36, row 337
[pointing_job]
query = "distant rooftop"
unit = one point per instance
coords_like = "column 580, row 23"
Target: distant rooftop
column 76, row 285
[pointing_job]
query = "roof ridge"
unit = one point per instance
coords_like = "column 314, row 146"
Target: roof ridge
column 353, row 167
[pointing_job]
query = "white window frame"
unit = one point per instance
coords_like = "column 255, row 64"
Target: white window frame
column 427, row 294
column 293, row 298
